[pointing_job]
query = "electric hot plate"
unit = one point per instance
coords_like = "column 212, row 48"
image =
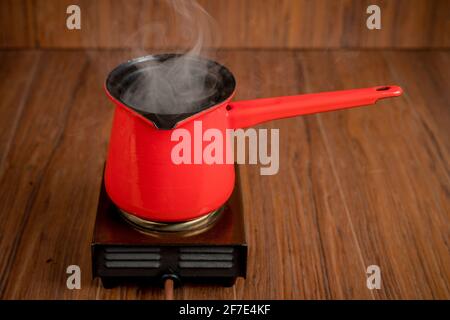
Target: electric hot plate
column 126, row 252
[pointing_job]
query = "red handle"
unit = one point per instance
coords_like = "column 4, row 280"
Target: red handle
column 247, row 113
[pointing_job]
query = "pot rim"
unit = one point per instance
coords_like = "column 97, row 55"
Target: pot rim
column 171, row 121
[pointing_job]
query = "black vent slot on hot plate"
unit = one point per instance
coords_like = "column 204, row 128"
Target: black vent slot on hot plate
column 132, row 257
column 206, row 257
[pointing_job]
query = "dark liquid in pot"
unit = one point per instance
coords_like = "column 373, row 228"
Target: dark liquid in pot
column 167, row 90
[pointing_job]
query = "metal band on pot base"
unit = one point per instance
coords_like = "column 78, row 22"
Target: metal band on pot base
column 197, row 224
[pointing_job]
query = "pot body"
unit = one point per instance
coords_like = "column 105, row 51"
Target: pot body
column 141, row 177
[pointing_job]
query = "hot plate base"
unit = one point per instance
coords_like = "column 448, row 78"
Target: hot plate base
column 123, row 254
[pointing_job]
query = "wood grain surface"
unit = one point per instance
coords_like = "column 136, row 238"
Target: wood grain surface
column 355, row 188
column 237, row 24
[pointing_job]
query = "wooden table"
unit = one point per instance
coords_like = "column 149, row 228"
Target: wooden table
column 367, row 186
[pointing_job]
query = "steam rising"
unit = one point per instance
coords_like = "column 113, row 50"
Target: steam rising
column 181, row 84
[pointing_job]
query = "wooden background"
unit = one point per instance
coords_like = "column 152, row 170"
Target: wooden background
column 240, row 23
column 355, row 188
